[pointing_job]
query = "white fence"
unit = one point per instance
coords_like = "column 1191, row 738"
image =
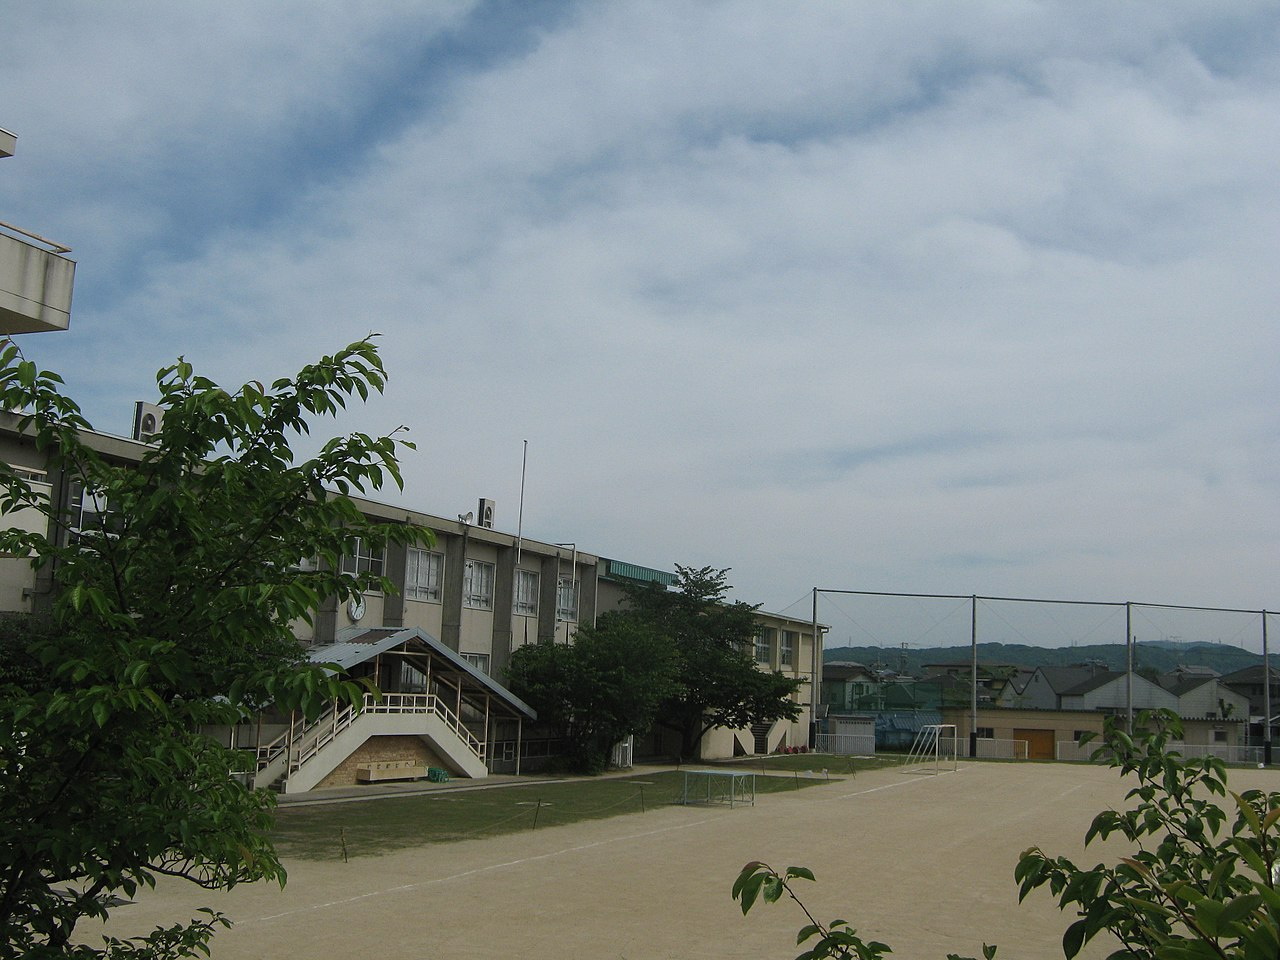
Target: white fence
column 990, row 748
column 846, row 744
column 1227, row 752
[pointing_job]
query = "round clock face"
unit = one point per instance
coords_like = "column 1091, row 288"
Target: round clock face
column 355, row 607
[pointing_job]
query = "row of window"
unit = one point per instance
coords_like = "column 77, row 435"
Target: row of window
column 424, row 580
column 786, row 649
column 413, row 680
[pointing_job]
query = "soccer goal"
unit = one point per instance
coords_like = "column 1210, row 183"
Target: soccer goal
column 936, row 748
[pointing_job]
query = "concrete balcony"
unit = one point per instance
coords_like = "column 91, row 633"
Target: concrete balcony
column 35, row 283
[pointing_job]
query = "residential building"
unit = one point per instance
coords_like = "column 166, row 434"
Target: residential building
column 1054, row 734
column 849, row 687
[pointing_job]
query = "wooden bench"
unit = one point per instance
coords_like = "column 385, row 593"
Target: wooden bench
column 390, row 770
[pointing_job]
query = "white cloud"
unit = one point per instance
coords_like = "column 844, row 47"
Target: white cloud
column 893, row 297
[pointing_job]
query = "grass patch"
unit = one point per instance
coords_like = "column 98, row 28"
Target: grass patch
column 381, row 825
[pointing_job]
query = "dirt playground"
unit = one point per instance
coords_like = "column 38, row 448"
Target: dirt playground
column 923, row 863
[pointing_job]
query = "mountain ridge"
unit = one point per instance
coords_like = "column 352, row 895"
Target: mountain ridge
column 1156, row 655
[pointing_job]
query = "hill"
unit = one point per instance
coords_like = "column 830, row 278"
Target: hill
column 1158, row 656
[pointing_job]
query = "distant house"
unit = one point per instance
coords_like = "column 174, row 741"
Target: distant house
column 956, row 683
column 1189, row 693
column 1202, row 694
column 1058, row 705
column 1044, row 689
column 1109, row 692
column 849, row 687
column 1248, row 683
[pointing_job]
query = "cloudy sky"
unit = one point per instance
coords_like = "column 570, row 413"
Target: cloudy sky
column 927, row 297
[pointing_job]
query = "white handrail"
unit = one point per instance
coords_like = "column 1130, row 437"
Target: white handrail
column 313, row 737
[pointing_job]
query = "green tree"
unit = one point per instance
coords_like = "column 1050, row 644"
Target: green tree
column 170, row 610
column 1199, row 882
column 719, row 683
column 603, row 687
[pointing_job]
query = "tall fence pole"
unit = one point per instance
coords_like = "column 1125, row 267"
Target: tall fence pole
column 1266, row 694
column 1128, row 675
column 815, row 677
column 973, row 645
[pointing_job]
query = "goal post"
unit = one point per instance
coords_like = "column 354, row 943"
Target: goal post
column 936, row 745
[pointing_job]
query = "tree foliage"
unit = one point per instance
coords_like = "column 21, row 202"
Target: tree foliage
column 719, row 683
column 1199, row 881
column 171, row 609
column 603, row 687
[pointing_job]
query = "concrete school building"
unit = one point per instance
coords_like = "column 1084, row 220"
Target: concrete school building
column 437, row 645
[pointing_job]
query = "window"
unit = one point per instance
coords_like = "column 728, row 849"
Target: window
column 1219, row 736
column 412, row 680
column 423, row 574
column 526, row 599
column 787, row 652
column 986, row 733
column 567, row 599
column 362, row 557
column 477, row 585
column 478, row 660
column 1079, row 735
column 31, row 474
column 90, row 512
column 764, row 640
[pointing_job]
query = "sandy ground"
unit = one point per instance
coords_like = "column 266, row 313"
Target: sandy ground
column 923, row 863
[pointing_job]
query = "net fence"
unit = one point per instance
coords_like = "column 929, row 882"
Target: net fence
column 1026, row 678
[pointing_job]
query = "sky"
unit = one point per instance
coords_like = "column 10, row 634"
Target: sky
column 923, row 298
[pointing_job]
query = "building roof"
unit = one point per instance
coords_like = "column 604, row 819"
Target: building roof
column 1062, row 679
column 844, row 670
column 634, row 573
column 356, row 645
column 1251, row 674
column 1099, row 679
column 1183, row 685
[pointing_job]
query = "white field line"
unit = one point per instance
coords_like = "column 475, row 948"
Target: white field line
column 471, row 873
column 489, row 868
column 887, row 786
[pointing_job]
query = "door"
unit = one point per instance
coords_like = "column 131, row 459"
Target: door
column 1040, row 745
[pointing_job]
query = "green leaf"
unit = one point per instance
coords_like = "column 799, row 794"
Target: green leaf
column 1247, row 812
column 1074, row 938
column 751, row 890
column 1270, row 819
column 1208, row 914
column 807, row 931
column 1239, row 908
column 745, row 874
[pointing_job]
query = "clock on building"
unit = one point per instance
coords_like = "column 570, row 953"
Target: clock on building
column 355, row 607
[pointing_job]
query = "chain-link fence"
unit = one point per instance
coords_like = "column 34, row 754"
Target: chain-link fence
column 1045, row 671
